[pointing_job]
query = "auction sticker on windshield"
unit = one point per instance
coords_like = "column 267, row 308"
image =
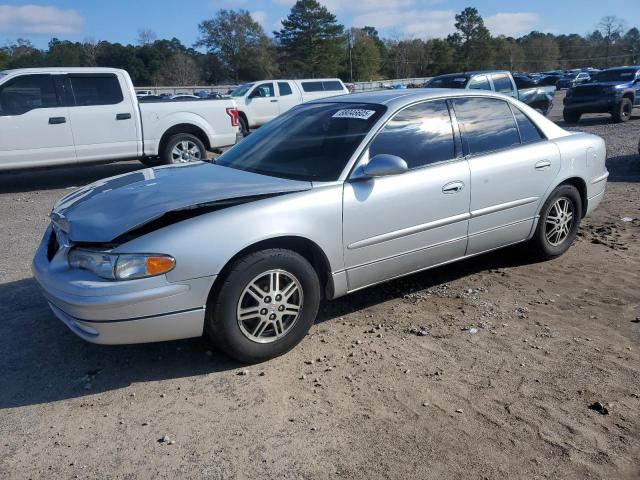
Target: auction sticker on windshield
column 357, row 113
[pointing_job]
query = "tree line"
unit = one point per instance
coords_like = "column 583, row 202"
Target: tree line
column 232, row 47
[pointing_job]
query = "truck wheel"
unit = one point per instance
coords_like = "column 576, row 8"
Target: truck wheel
column 571, row 117
column 244, row 127
column 151, row 161
column 622, row 111
column 265, row 305
column 183, row 148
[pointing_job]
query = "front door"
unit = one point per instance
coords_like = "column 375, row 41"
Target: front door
column 34, row 124
column 512, row 167
column 402, row 223
column 264, row 103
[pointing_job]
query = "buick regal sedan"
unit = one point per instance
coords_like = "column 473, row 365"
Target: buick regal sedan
column 331, row 197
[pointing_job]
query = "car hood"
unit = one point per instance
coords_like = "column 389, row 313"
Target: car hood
column 106, row 209
column 603, row 84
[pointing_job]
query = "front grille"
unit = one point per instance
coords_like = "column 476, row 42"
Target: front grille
column 588, row 91
column 52, row 245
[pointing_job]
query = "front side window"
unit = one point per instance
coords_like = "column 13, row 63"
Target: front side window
column 502, row 83
column 479, row 83
column 285, row 88
column 313, row 141
column 421, row 135
column 242, row 90
column 264, row 90
column 487, row 124
column 26, row 93
column 528, row 131
column 96, row 90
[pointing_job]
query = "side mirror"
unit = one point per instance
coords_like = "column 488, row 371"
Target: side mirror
column 381, row 165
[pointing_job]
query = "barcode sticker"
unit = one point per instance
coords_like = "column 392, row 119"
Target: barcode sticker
column 357, row 113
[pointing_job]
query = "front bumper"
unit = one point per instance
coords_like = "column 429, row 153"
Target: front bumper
column 589, row 104
column 118, row 312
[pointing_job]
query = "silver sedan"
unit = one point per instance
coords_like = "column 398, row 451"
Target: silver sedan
column 329, row 198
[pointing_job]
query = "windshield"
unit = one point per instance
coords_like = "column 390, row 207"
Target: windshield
column 3, row 74
column 621, row 75
column 452, row 81
column 241, row 90
column 313, row 141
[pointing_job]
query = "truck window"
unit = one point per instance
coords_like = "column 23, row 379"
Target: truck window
column 479, row 83
column 265, row 90
column 332, row 86
column 502, row 83
column 26, row 93
column 487, row 124
column 312, row 86
column 96, row 89
column 285, row 88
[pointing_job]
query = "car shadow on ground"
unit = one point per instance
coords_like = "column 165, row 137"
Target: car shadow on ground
column 588, row 120
column 624, row 168
column 42, row 361
column 62, row 177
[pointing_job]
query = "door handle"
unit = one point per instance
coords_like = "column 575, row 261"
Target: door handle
column 274, row 101
column 57, row 120
column 123, row 116
column 542, row 165
column 453, row 187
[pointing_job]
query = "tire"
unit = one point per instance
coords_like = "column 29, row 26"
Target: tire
column 622, row 111
column 264, row 332
column 244, row 126
column 571, row 117
column 546, row 244
column 151, row 161
column 191, row 147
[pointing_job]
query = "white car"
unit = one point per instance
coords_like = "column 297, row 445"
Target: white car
column 56, row 116
column 259, row 102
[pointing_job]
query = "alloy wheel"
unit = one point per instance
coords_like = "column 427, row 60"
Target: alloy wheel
column 185, row 151
column 269, row 306
column 559, row 221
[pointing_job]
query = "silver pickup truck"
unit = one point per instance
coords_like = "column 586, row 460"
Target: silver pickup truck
column 501, row 81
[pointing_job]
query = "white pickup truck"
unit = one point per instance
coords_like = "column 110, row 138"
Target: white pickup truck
column 55, row 116
column 259, row 102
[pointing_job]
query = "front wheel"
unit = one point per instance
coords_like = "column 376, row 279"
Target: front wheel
column 622, row 111
column 558, row 223
column 244, row 126
column 183, row 148
column 571, row 117
column 265, row 306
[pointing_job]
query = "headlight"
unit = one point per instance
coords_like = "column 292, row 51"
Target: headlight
column 121, row 266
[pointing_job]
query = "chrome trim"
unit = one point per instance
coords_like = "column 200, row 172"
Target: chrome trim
column 385, row 237
column 503, row 206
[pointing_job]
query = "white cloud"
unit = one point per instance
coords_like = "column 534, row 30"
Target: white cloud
column 260, row 17
column 411, row 23
column 511, row 24
column 39, row 19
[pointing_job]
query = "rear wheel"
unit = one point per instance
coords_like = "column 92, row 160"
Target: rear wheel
column 244, row 126
column 183, row 148
column 571, row 117
column 622, row 111
column 265, row 305
column 559, row 222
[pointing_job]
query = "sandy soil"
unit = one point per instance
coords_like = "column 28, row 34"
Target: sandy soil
column 482, row 369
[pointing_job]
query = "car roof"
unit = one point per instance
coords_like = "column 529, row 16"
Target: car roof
column 470, row 73
column 398, row 98
column 64, row 70
column 628, row 67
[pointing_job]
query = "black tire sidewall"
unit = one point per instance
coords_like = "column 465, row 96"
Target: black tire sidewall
column 618, row 113
column 544, row 247
column 171, row 143
column 571, row 117
column 221, row 322
column 244, row 128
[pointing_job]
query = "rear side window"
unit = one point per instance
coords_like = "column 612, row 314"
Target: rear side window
column 528, row 131
column 502, row 83
column 421, row 134
column 285, row 89
column 487, row 124
column 312, row 86
column 26, row 93
column 332, row 86
column 479, row 83
column 96, row 90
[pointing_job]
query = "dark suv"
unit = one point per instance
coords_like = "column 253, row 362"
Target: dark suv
column 614, row 90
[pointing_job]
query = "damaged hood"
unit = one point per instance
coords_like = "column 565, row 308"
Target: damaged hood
column 106, row 209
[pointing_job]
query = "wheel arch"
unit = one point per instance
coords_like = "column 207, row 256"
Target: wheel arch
column 581, row 186
column 184, row 128
column 308, row 249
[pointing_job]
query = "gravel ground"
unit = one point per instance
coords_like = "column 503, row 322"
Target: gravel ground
column 482, row 369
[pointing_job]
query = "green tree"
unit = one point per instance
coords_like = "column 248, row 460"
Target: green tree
column 611, row 28
column 311, row 42
column 365, row 56
column 508, row 54
column 240, row 43
column 631, row 45
column 541, row 51
column 472, row 39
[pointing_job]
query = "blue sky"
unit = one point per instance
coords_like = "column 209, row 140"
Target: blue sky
column 120, row 20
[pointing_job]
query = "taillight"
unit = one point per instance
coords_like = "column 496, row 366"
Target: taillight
column 235, row 116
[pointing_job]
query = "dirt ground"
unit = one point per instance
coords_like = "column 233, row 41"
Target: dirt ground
column 484, row 369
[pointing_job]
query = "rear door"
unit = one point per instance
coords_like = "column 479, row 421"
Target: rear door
column 288, row 96
column 102, row 117
column 502, row 83
column 263, row 103
column 512, row 167
column 402, row 223
column 34, row 123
